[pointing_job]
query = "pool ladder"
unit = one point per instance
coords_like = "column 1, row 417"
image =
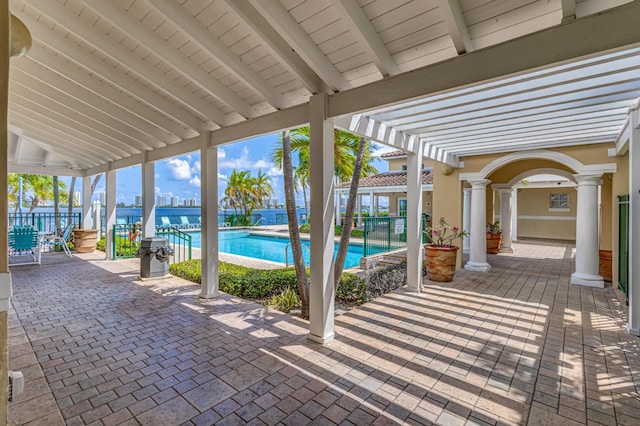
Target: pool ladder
column 286, row 251
column 261, row 219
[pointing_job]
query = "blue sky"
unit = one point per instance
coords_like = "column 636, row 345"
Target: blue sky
column 181, row 175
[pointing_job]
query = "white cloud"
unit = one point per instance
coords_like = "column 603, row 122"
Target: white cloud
column 195, row 181
column 243, row 162
column 196, row 167
column 221, row 153
column 262, row 164
column 378, row 150
column 222, row 176
column 180, row 169
column 273, row 172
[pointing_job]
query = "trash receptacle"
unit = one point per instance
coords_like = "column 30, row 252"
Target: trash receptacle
column 154, row 257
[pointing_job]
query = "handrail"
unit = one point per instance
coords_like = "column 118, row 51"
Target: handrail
column 260, row 220
column 286, row 252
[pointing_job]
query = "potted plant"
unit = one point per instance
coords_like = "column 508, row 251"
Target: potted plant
column 441, row 253
column 85, row 240
column 494, row 237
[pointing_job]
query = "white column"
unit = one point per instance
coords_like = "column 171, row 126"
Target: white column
column 478, row 227
column 86, row 202
column 466, row 218
column 322, row 263
column 587, row 259
column 634, row 225
column 371, row 214
column 505, row 219
column 359, row 210
column 414, row 219
column 97, row 217
column 110, row 215
column 514, row 214
column 148, row 198
column 209, row 216
column 338, row 197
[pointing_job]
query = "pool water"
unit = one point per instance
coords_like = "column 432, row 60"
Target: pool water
column 244, row 243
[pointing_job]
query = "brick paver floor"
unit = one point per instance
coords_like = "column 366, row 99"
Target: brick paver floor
column 517, row 345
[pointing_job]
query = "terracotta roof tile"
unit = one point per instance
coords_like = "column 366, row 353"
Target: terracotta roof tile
column 396, row 153
column 394, row 178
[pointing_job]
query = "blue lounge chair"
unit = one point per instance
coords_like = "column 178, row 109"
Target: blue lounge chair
column 184, row 223
column 165, row 223
column 24, row 240
column 59, row 240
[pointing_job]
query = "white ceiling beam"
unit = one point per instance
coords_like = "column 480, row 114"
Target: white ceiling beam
column 299, row 40
column 16, row 154
column 39, row 130
column 203, row 37
column 50, row 96
column 31, row 100
column 46, row 157
column 622, row 141
column 454, row 19
column 289, row 118
column 42, row 63
column 56, row 12
column 86, row 141
column 181, row 148
column 529, row 147
column 568, row 10
column 277, row 46
column 387, row 135
column 87, row 60
column 360, row 26
column 43, row 170
column 138, row 31
column 612, row 29
column 51, row 81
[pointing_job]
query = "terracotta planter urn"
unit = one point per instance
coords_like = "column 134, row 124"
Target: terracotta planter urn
column 441, row 262
column 85, row 240
column 494, row 241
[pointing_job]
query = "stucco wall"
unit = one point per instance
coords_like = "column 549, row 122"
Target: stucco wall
column 537, row 220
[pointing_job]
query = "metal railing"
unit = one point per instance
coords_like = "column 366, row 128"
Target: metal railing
column 180, row 242
column 45, row 222
column 286, row 252
column 281, row 219
column 238, row 219
column 262, row 219
column 127, row 238
column 384, row 234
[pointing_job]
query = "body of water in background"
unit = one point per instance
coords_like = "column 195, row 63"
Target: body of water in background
column 134, row 214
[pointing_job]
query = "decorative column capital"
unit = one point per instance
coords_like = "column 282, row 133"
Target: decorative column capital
column 588, row 179
column 479, row 184
column 504, row 191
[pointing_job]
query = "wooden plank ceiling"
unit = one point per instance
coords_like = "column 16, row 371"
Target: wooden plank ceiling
column 108, row 80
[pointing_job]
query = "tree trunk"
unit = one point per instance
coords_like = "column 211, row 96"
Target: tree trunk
column 72, row 188
column 56, row 203
column 95, row 183
column 304, row 196
column 294, row 231
column 347, row 225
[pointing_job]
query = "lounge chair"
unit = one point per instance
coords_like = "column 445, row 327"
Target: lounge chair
column 24, row 240
column 166, row 223
column 59, row 240
column 184, row 223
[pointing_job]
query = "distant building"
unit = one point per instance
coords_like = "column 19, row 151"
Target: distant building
column 138, row 201
column 76, row 198
column 174, row 201
column 103, row 198
column 161, row 200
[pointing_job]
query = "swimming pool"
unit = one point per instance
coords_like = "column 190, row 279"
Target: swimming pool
column 263, row 247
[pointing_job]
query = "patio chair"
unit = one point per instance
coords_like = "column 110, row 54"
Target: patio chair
column 24, row 240
column 166, row 223
column 54, row 241
column 184, row 223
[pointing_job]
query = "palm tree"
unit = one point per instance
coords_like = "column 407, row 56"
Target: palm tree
column 294, row 232
column 302, row 177
column 262, row 189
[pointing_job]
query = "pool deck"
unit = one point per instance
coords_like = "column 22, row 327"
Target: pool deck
column 517, row 345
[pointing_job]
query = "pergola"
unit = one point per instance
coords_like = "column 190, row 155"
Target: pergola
column 111, row 84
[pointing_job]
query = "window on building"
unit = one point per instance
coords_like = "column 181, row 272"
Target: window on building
column 404, row 167
column 559, row 201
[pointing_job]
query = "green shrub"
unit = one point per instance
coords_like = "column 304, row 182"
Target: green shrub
column 102, row 242
column 285, row 301
column 305, row 229
column 352, row 289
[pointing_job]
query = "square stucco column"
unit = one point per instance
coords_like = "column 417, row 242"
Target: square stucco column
column 86, row 202
column 414, row 218
column 514, row 215
column 209, row 217
column 321, row 309
column 478, row 234
column 466, row 218
column 148, row 198
column 634, row 225
column 587, row 232
column 110, row 209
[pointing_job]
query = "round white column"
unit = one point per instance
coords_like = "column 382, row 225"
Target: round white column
column 505, row 219
column 587, row 259
column 466, row 218
column 478, row 235
column 514, row 215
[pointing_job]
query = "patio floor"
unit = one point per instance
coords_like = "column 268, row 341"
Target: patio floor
column 517, row 345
